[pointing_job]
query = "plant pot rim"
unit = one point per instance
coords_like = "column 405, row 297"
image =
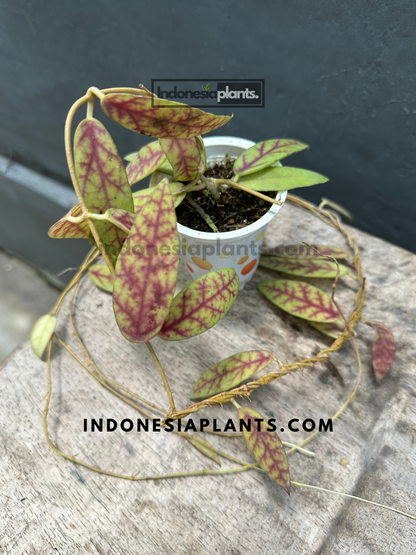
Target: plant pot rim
column 237, row 233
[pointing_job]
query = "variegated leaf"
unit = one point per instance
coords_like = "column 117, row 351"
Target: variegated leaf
column 121, row 218
column 166, row 168
column 383, row 349
column 101, row 276
column 305, row 267
column 147, row 268
column 101, row 176
column 200, row 305
column 42, row 333
column 230, row 373
column 204, row 447
column 160, row 118
column 266, row 447
column 203, row 155
column 184, row 156
column 63, row 229
column 281, row 178
column 332, row 329
column 308, row 251
column 264, row 154
column 145, row 162
column 140, row 197
column 300, row 299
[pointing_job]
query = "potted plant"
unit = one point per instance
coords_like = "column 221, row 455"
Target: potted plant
column 137, row 236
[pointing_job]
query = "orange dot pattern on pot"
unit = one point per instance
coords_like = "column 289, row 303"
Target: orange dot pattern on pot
column 242, row 260
column 247, row 269
column 201, row 263
column 259, row 236
column 190, row 268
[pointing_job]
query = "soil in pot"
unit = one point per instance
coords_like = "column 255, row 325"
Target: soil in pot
column 235, row 208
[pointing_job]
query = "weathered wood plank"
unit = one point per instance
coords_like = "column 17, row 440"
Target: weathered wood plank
column 49, row 505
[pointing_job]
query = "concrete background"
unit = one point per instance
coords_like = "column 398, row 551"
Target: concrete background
column 339, row 76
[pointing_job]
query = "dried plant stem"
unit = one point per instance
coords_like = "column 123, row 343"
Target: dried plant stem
column 162, row 375
column 91, row 256
column 353, row 497
column 246, row 189
column 203, row 214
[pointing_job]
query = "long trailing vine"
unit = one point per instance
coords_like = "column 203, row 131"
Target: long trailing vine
column 178, row 162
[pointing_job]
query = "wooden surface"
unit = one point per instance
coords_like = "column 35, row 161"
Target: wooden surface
column 49, row 505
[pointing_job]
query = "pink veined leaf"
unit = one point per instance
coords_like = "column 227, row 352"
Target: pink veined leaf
column 300, row 299
column 63, row 229
column 332, row 329
column 265, row 154
column 121, row 218
column 160, row 118
column 102, row 177
column 101, row 276
column 203, row 155
column 266, row 447
column 147, row 268
column 230, row 373
column 306, row 251
column 184, row 156
column 145, row 162
column 200, row 305
column 140, row 198
column 383, row 349
column 306, row 267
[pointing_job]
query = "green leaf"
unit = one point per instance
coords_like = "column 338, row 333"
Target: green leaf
column 204, row 447
column 230, row 373
column 147, row 268
column 264, row 154
column 141, row 197
column 157, row 117
column 166, row 167
column 308, row 251
column 281, row 178
column 332, row 329
column 101, row 276
column 305, row 267
column 42, row 333
column 266, row 447
column 300, row 299
column 102, row 177
column 144, row 162
column 184, row 156
column 64, row 229
column 200, row 305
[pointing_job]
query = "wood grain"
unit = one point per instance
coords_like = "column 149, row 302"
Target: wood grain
column 49, row 505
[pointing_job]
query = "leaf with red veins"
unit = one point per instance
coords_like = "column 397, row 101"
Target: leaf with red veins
column 158, row 117
column 200, row 305
column 145, row 162
column 147, row 268
column 383, row 349
column 203, row 155
column 230, row 373
column 101, row 176
column 141, row 197
column 332, row 329
column 306, row 267
column 63, row 229
column 266, row 447
column 121, row 218
column 266, row 153
column 300, row 299
column 308, row 251
column 183, row 155
column 101, row 276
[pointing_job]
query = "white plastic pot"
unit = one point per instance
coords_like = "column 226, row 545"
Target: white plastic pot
column 203, row 252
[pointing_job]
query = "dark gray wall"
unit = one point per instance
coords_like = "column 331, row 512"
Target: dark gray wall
column 339, row 76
